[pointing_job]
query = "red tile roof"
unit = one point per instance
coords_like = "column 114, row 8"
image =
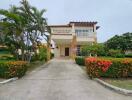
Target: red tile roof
column 83, row 23
column 60, row 25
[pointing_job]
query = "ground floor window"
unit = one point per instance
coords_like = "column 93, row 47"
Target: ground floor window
column 78, row 53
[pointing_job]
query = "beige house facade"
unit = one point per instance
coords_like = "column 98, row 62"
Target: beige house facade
column 71, row 37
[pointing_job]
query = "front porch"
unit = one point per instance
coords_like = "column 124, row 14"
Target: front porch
column 63, row 50
column 65, row 47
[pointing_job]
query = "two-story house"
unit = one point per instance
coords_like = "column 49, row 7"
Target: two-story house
column 69, row 38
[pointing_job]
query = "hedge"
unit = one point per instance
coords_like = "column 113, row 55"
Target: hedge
column 112, row 68
column 80, row 60
column 13, row 69
column 129, row 55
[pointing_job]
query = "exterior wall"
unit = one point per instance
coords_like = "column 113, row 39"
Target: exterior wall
column 57, row 52
column 60, row 30
column 57, row 37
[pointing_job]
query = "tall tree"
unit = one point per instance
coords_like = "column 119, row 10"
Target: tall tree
column 123, row 42
column 23, row 25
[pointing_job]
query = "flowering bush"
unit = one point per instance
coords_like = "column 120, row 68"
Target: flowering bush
column 109, row 67
column 95, row 66
column 12, row 69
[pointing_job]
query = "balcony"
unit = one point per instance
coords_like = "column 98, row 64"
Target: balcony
column 62, row 38
column 85, row 40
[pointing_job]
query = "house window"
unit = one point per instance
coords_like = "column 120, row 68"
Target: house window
column 84, row 33
column 78, row 52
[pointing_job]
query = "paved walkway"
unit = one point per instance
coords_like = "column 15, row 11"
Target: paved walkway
column 60, row 80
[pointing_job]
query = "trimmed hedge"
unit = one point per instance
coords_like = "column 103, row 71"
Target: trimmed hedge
column 13, row 69
column 115, row 67
column 80, row 60
column 128, row 55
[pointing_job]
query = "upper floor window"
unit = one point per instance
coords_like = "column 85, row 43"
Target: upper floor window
column 84, row 32
column 61, row 30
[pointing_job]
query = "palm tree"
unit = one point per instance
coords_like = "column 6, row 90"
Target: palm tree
column 22, row 25
column 12, row 26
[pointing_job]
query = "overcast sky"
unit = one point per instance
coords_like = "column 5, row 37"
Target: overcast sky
column 113, row 16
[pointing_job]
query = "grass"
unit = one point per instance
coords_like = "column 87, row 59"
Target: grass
column 34, row 65
column 121, row 83
column 114, row 58
column 6, row 56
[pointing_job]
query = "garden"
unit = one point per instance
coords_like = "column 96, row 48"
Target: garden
column 109, row 61
column 22, row 28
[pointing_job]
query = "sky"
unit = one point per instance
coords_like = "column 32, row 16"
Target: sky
column 113, row 16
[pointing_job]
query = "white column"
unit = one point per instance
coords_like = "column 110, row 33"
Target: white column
column 73, row 29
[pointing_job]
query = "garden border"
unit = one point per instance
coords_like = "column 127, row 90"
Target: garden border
column 16, row 78
column 40, row 67
column 9, row 80
column 117, row 89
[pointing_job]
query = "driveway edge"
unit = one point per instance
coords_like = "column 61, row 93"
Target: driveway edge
column 16, row 78
column 40, row 67
column 117, row 89
column 9, row 80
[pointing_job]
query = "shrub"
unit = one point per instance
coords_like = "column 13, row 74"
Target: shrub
column 43, row 54
column 95, row 66
column 13, row 69
column 80, row 61
column 120, row 55
column 111, row 67
column 128, row 55
column 114, row 53
column 120, row 68
column 95, row 49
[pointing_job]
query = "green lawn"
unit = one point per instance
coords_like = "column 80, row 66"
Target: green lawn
column 122, row 83
column 114, row 58
column 34, row 65
column 6, row 56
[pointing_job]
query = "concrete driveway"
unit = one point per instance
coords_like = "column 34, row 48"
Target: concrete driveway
column 60, row 80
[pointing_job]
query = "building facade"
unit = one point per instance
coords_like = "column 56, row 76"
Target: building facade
column 69, row 38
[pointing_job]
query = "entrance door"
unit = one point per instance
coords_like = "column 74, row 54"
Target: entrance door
column 66, row 51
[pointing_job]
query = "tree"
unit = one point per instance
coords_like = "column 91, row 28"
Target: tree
column 22, row 26
column 123, row 42
column 95, row 50
column 12, row 27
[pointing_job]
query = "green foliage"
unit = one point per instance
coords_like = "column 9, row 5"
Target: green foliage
column 119, row 68
column 115, row 53
column 20, row 24
column 95, row 49
column 120, row 55
column 13, row 69
column 123, row 42
column 43, row 54
column 7, row 58
column 128, row 55
column 80, row 61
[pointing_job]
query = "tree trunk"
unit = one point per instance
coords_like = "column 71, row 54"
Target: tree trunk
column 23, row 55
